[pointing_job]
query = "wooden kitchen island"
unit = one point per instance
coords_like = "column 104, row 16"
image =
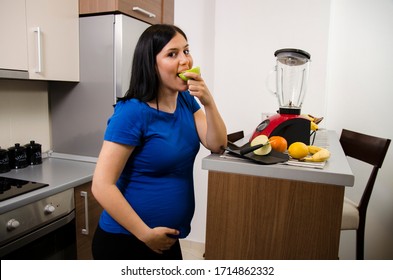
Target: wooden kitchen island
column 276, row 211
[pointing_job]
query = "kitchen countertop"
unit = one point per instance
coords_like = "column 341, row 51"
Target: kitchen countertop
column 335, row 172
column 60, row 171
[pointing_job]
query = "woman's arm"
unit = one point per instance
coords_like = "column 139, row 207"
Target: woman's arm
column 110, row 164
column 211, row 127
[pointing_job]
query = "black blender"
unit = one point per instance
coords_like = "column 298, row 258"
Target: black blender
column 291, row 81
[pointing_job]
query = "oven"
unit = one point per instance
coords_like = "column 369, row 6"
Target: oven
column 40, row 230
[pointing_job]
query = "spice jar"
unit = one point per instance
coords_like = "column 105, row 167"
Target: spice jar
column 17, row 156
column 33, row 153
column 4, row 161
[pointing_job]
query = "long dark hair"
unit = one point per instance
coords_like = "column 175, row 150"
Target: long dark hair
column 145, row 81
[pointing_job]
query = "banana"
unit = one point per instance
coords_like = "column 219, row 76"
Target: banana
column 308, row 117
column 314, row 126
column 313, row 122
column 313, row 149
column 318, row 154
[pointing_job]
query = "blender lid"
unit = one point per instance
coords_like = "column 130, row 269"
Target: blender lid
column 296, row 52
column 292, row 57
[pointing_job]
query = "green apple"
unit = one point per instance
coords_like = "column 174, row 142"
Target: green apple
column 264, row 140
column 193, row 70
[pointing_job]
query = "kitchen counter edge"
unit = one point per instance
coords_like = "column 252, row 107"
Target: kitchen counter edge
column 336, row 171
column 60, row 171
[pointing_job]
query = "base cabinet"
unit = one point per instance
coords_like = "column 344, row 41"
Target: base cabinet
column 260, row 218
column 88, row 211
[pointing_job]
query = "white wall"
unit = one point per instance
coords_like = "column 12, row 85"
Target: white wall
column 350, row 43
column 247, row 35
column 360, row 91
column 24, row 114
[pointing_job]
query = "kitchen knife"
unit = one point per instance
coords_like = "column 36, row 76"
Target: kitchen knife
column 250, row 149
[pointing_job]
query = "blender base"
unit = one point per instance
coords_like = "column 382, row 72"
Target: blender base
column 294, row 128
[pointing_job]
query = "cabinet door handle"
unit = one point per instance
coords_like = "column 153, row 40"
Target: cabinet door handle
column 39, row 57
column 86, row 229
column 143, row 11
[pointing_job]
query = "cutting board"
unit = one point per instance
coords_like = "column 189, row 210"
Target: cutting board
column 272, row 158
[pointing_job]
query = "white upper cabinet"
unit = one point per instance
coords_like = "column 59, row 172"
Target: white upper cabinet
column 51, row 30
column 13, row 46
column 53, row 39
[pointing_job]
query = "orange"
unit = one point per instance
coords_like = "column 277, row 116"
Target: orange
column 278, row 143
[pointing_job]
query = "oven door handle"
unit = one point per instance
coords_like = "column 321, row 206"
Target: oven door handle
column 86, row 229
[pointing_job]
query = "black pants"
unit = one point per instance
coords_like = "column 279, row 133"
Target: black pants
column 111, row 246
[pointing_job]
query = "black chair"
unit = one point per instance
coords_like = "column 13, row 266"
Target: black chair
column 372, row 150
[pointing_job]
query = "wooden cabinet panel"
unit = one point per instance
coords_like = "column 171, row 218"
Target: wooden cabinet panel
column 88, row 212
column 168, row 11
column 150, row 11
column 251, row 217
column 145, row 10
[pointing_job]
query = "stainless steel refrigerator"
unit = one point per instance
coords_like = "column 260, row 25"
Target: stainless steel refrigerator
column 79, row 111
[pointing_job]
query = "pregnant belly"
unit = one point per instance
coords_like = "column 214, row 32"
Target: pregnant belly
column 173, row 208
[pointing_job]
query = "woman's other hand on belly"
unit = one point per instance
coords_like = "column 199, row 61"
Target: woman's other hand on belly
column 160, row 239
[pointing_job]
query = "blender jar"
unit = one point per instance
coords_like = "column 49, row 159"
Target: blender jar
column 291, row 79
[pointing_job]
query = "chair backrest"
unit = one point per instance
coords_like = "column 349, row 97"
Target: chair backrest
column 369, row 149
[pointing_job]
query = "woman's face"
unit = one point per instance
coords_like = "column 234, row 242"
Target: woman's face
column 173, row 59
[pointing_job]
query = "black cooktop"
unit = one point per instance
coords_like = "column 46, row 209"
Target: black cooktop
column 13, row 187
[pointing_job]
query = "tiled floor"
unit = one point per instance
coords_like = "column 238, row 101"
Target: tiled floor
column 192, row 250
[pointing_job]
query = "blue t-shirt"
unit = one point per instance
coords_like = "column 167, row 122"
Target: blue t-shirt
column 158, row 177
